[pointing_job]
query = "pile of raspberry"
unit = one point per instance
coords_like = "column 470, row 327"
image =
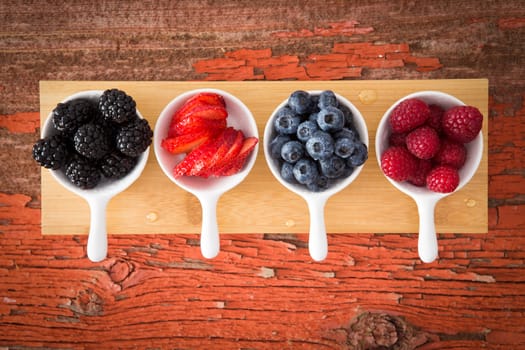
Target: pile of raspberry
column 427, row 143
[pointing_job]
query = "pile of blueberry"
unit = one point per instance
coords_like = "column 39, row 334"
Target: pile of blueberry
column 314, row 141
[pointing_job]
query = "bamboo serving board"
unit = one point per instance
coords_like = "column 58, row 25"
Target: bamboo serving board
column 260, row 204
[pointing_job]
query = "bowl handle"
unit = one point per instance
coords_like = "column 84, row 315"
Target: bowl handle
column 427, row 244
column 317, row 241
column 97, row 245
column 210, row 243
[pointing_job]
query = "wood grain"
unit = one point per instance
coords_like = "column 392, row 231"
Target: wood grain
column 260, row 204
column 155, row 291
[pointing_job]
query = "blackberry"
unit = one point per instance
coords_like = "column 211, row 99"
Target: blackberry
column 117, row 106
column 68, row 116
column 92, row 141
column 83, row 173
column 134, row 138
column 116, row 166
column 51, row 152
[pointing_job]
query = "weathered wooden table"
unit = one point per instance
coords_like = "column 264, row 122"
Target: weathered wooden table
column 262, row 291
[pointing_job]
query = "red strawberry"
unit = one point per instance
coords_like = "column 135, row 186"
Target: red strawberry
column 423, row 142
column 419, row 178
column 193, row 124
column 184, row 143
column 451, row 153
column 198, row 100
column 398, row 163
column 205, row 112
column 408, row 115
column 443, row 179
column 197, row 159
column 232, row 168
column 436, row 114
column 462, row 123
column 229, row 156
column 209, row 98
column 226, row 139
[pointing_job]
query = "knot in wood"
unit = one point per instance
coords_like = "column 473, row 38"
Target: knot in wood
column 120, row 270
column 380, row 331
column 87, row 303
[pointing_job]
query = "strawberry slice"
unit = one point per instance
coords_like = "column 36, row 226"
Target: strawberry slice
column 197, row 100
column 185, row 143
column 237, row 163
column 197, row 159
column 209, row 98
column 204, row 111
column 195, row 124
column 227, row 140
column 229, row 156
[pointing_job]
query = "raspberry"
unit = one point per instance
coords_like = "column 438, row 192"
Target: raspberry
column 419, row 178
column 408, row 115
column 436, row 115
column 443, row 179
column 462, row 123
column 398, row 163
column 397, row 139
column 451, row 153
column 423, row 142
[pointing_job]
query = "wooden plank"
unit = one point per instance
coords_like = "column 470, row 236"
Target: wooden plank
column 260, row 204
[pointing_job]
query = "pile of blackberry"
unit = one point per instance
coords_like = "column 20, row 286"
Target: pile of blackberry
column 93, row 140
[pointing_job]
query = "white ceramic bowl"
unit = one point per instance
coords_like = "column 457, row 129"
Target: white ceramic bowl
column 99, row 196
column 317, row 242
column 207, row 190
column 426, row 199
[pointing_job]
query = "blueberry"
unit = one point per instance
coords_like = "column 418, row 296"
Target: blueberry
column 305, row 171
column 313, row 117
column 306, row 129
column 359, row 156
column 287, row 172
column 347, row 133
column 349, row 117
column 320, row 145
column 276, row 145
column 286, row 122
column 292, row 151
column 327, row 98
column 321, row 184
column 333, row 167
column 344, row 147
column 330, row 119
column 300, row 102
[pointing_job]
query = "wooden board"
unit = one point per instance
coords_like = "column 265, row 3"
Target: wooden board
column 260, row 204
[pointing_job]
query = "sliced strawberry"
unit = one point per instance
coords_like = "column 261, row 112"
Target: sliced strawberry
column 204, row 111
column 229, row 156
column 198, row 159
column 237, row 163
column 197, row 100
column 209, row 98
column 195, row 124
column 185, row 143
column 227, row 139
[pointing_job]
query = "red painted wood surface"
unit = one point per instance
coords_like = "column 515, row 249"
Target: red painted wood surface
column 262, row 291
